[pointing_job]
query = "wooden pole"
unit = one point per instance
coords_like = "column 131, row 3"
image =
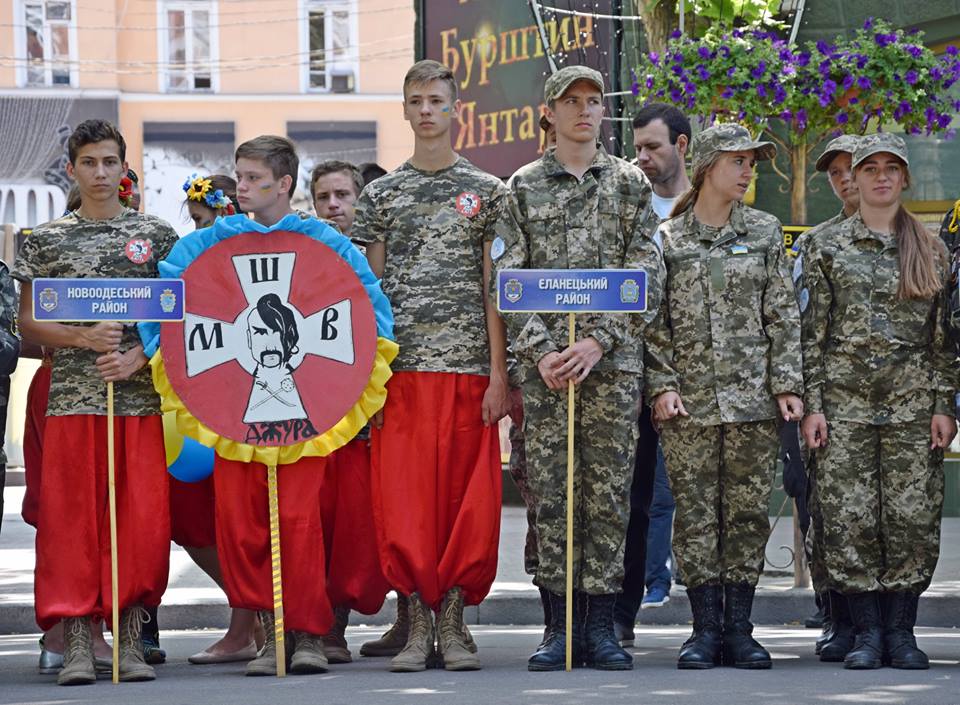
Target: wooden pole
column 114, row 573
column 570, row 417
column 277, row 581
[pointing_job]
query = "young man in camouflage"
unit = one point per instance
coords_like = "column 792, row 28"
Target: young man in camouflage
column 266, row 171
column 578, row 207
column 354, row 578
column 723, row 365
column 436, row 471
column 72, row 580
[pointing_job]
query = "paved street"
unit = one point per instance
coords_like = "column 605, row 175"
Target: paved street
column 796, row 677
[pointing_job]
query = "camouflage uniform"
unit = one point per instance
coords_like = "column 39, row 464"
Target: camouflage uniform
column 556, row 221
column 9, row 352
column 727, row 340
column 73, row 246
column 878, row 367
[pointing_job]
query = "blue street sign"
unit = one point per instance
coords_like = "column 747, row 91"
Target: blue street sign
column 572, row 290
column 88, row 300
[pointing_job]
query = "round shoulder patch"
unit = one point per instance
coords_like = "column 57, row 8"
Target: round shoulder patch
column 138, row 250
column 804, row 299
column 497, row 248
column 468, row 204
column 797, row 268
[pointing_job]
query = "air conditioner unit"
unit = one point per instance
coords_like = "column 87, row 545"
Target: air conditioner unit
column 342, row 81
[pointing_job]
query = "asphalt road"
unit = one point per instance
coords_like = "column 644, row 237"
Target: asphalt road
column 797, row 677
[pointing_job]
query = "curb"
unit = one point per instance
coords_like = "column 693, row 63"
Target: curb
column 771, row 607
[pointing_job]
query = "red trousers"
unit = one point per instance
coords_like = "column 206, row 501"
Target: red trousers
column 37, row 396
column 243, row 540
column 192, row 514
column 354, row 578
column 72, row 577
column 436, row 480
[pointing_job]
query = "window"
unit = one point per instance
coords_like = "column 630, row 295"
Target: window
column 332, row 59
column 48, row 36
column 187, row 45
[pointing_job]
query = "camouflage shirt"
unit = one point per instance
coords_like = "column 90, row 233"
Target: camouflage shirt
column 869, row 356
column 727, row 338
column 434, row 226
column 603, row 221
column 74, row 247
column 803, row 237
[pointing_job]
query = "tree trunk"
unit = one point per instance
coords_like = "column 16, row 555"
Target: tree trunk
column 659, row 20
column 798, row 183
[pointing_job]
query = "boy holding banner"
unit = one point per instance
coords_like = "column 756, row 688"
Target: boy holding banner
column 579, row 208
column 435, row 454
column 102, row 238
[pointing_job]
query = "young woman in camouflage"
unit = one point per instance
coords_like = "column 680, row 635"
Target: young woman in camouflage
column 880, row 383
column 722, row 365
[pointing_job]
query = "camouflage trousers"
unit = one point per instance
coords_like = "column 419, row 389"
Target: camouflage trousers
column 813, row 541
column 518, row 473
column 880, row 491
column 605, row 443
column 721, row 477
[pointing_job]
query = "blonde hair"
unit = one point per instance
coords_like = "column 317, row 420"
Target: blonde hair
column 920, row 258
column 689, row 197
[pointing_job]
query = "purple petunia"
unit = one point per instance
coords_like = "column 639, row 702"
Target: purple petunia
column 654, row 58
column 635, row 88
column 952, row 50
column 730, row 71
column 847, row 82
column 676, row 34
column 704, row 52
column 913, row 50
column 786, row 115
column 649, row 81
column 779, row 94
column 702, row 72
column 842, row 118
column 864, row 83
column 911, row 77
column 803, row 58
column 883, row 40
column 759, row 70
column 761, row 90
column 868, row 23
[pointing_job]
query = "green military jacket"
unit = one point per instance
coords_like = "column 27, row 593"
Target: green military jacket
column 727, row 337
column 869, row 356
column 555, row 221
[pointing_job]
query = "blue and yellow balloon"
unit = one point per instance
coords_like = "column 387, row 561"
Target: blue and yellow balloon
column 187, row 460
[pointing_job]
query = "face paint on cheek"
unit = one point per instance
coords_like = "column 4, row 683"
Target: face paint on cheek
column 445, row 109
column 266, row 187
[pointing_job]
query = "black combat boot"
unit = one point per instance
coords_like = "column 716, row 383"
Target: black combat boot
column 836, row 648
column 545, row 602
column 702, row 649
column 899, row 618
column 603, row 651
column 867, row 651
column 551, row 655
column 740, row 649
column 823, row 601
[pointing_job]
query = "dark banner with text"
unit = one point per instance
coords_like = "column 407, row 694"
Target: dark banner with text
column 496, row 51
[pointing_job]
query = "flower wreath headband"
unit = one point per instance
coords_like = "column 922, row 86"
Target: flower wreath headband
column 201, row 190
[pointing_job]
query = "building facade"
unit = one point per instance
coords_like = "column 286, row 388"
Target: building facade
column 188, row 80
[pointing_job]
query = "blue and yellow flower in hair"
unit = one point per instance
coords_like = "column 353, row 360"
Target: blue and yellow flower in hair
column 197, row 188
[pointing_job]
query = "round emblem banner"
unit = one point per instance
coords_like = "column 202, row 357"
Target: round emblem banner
column 278, row 342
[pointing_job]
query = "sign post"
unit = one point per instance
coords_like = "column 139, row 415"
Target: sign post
column 571, row 291
column 94, row 301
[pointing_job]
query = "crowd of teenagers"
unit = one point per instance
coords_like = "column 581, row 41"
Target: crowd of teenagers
column 848, row 343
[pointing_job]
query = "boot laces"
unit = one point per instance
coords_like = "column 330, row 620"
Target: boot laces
column 80, row 642
column 451, row 619
column 419, row 620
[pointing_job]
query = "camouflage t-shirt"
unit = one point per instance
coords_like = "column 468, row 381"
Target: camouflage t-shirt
column 74, row 247
column 433, row 226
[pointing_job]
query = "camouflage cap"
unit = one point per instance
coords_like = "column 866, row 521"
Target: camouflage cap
column 843, row 143
column 728, row 137
column 558, row 83
column 868, row 145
